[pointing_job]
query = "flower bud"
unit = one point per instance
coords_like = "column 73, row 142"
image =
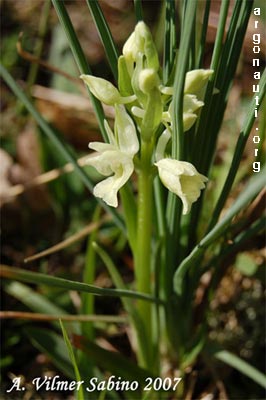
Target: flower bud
column 105, row 91
column 150, row 51
column 196, row 80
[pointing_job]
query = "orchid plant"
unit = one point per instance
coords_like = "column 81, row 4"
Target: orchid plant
column 143, row 108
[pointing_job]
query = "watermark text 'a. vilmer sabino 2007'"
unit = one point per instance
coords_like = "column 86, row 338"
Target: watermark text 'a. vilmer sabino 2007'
column 113, row 383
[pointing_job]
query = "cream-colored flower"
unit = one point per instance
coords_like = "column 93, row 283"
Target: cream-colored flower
column 181, row 178
column 115, row 158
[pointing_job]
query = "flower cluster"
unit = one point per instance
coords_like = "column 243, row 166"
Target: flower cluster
column 140, row 91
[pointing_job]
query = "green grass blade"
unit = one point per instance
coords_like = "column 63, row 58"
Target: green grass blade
column 254, row 187
column 80, row 392
column 242, row 366
column 50, row 132
column 38, row 278
column 79, row 57
column 236, row 362
column 105, row 35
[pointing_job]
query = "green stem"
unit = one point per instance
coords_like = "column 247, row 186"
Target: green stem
column 144, row 233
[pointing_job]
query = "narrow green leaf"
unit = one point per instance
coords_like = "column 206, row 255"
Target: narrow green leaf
column 37, row 278
column 255, row 185
column 105, row 35
column 61, row 147
column 80, row 393
column 241, row 366
column 53, row 345
column 237, row 363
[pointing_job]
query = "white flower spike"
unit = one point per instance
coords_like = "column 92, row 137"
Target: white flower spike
column 115, row 157
column 181, row 178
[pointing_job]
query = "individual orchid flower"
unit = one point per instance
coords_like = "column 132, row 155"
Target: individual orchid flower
column 105, row 91
column 195, row 81
column 115, row 158
column 181, row 178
